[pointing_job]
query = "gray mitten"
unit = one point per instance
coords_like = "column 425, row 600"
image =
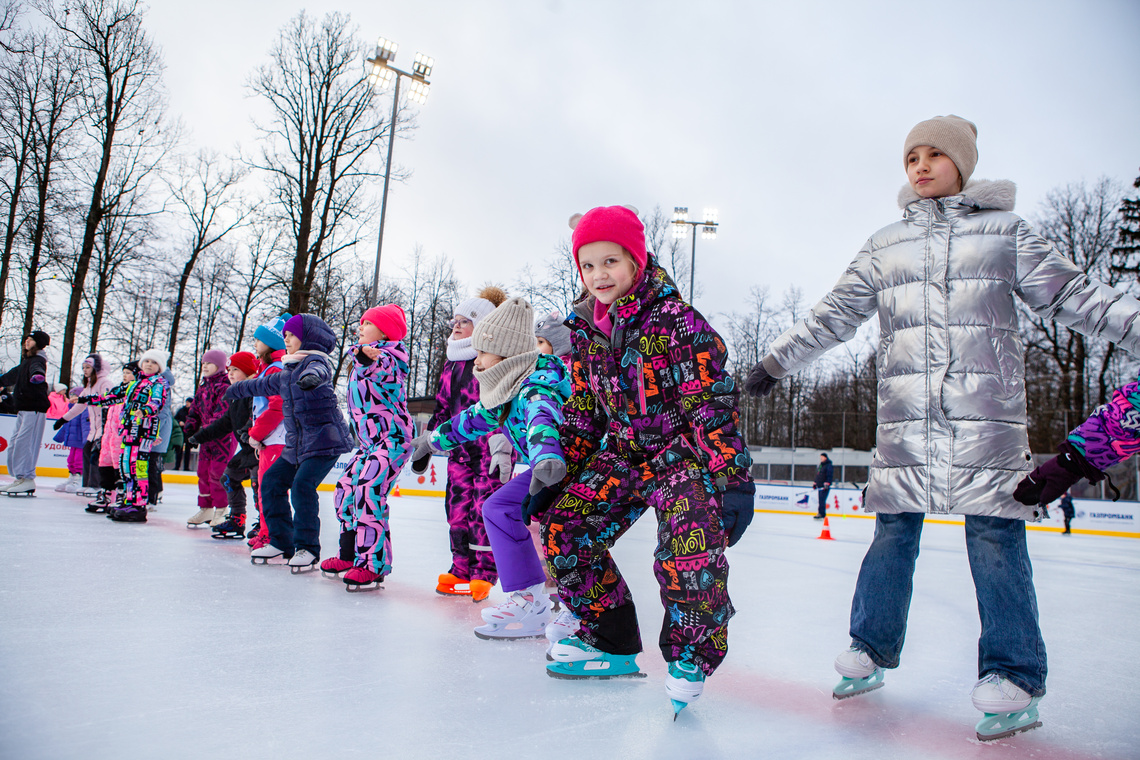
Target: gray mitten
column 548, row 472
column 421, row 452
column 500, row 447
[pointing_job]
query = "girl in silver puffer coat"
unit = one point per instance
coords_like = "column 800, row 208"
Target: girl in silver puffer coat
column 951, row 434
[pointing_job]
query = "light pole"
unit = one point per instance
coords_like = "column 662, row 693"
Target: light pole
column 384, row 74
column 708, row 232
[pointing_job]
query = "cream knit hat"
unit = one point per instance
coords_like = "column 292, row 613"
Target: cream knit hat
column 953, row 135
column 507, row 331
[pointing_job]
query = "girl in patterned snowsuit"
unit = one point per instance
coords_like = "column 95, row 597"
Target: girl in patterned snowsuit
column 143, row 398
column 378, row 416
column 470, row 466
column 522, row 391
column 207, row 406
column 651, row 424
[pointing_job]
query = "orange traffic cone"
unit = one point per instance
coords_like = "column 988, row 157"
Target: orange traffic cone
column 396, row 490
column 825, row 534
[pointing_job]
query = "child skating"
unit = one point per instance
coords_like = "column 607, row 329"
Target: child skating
column 652, row 425
column 207, row 406
column 315, row 436
column 378, row 416
column 521, row 391
column 951, row 432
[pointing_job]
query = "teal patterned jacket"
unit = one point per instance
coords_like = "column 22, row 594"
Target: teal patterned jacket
column 532, row 421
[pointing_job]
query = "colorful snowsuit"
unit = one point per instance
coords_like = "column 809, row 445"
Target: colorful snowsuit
column 207, row 406
column 378, row 416
column 651, row 423
column 1111, row 434
column 531, row 425
column 142, row 399
column 468, row 483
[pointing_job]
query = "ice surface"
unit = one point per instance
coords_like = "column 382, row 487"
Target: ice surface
column 132, row 641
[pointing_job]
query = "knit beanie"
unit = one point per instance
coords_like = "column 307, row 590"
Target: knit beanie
column 477, row 308
column 507, row 331
column 270, row 332
column 296, row 326
column 156, row 356
column 41, row 338
column 613, row 224
column 245, row 361
column 953, row 135
column 552, row 328
column 389, row 319
column 215, row 356
column 134, row 368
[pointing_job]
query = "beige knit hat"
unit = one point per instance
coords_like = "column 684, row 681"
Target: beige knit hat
column 953, row 135
column 507, row 331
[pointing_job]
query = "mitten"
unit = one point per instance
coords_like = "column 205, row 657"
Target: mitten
column 1051, row 480
column 548, row 472
column 737, row 507
column 308, row 382
column 759, row 382
column 58, row 423
column 421, row 452
column 500, row 447
column 534, row 505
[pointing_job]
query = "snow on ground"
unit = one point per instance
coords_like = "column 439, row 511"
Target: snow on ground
column 131, row 641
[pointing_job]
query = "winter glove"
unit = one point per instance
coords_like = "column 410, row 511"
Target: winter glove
column 500, row 447
column 534, row 505
column 1051, row 480
column 759, row 382
column 737, row 506
column 308, row 382
column 58, row 423
column 421, row 452
column 193, row 441
column 548, row 472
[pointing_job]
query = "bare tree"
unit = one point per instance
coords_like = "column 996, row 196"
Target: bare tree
column 254, row 276
column 17, row 131
column 208, row 195
column 316, row 147
column 120, row 70
column 122, row 238
column 9, row 16
column 554, row 286
column 430, row 298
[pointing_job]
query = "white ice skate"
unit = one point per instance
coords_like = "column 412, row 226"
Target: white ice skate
column 200, row 518
column 561, row 627
column 523, row 616
column 683, row 685
column 71, row 485
column 21, row 487
column 218, row 518
column 264, row 554
column 860, row 673
column 302, row 562
column 1008, row 708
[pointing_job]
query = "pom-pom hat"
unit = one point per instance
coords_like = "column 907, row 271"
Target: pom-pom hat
column 245, row 361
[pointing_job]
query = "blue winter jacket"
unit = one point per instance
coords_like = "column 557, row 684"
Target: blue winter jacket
column 314, row 425
column 74, row 433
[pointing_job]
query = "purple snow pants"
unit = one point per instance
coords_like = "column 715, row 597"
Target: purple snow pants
column 515, row 556
column 211, row 492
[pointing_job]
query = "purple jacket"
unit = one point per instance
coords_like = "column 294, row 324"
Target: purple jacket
column 458, row 389
column 208, row 405
column 377, row 399
column 658, row 386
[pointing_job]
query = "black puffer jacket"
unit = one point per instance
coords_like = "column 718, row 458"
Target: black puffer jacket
column 236, row 419
column 30, row 392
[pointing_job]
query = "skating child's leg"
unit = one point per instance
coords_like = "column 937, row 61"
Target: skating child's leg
column 1010, row 644
column 578, row 531
column 690, row 566
column 127, row 470
column 216, row 469
column 265, row 459
column 459, row 502
column 277, row 518
column 205, row 499
column 346, row 501
column 882, row 592
column 373, row 536
column 74, row 461
column 232, row 477
column 482, row 557
column 306, row 517
column 142, row 477
column 516, row 560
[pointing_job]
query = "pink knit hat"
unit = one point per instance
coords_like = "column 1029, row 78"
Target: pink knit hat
column 612, row 224
column 215, row 356
column 389, row 319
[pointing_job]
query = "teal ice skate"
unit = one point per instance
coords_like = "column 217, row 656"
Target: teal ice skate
column 575, row 659
column 683, row 685
column 859, row 671
column 851, row 687
column 1008, row 709
column 1000, row 725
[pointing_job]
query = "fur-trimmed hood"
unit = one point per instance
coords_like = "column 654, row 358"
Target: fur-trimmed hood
column 996, row 194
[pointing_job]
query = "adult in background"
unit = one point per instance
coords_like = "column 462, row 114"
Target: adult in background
column 30, row 394
column 823, row 475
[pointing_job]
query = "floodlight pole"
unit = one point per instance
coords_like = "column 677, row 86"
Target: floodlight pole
column 384, row 197
column 693, row 258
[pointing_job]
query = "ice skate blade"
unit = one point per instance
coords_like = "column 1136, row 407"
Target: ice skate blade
column 268, row 560
column 453, row 593
column 678, row 706
column 853, row 687
column 19, row 493
column 1000, row 725
column 507, row 635
column 301, row 569
column 230, row 536
column 197, row 525
column 333, row 576
column 594, row 670
column 356, row 588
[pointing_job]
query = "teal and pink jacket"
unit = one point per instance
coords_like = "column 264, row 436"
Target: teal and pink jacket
column 377, row 399
column 1111, row 434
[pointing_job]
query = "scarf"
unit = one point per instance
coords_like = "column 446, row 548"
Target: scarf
column 460, row 350
column 501, row 383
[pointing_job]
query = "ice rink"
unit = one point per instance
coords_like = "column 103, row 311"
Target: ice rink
column 132, row 641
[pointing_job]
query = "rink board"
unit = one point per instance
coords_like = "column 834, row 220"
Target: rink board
column 1121, row 518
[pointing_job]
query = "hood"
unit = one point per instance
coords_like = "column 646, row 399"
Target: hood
column 318, row 335
column 100, row 367
column 993, row 194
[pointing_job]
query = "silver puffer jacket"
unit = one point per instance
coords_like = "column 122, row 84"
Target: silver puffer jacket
column 952, row 434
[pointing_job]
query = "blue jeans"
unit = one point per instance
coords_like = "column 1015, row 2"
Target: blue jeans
column 1010, row 644
column 300, row 529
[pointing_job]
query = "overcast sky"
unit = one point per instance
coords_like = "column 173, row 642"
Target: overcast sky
column 788, row 117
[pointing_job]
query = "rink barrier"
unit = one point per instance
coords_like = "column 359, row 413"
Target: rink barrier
column 1119, row 519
